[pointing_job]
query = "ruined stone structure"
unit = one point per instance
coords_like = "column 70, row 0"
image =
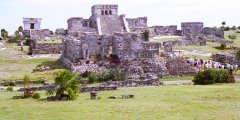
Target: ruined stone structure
column 104, row 20
column 191, row 30
column 44, row 48
column 225, row 58
column 33, row 30
column 137, row 24
column 163, row 30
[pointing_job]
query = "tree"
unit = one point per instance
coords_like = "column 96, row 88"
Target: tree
column 68, row 85
column 223, row 23
column 146, row 35
column 233, row 28
column 20, row 28
column 4, row 34
column 227, row 28
column 238, row 27
column 16, row 37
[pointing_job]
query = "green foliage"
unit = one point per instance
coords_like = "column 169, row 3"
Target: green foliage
column 210, row 76
column 146, row 35
column 234, row 28
column 232, row 37
column 238, row 27
column 26, row 80
column 10, row 88
column 93, row 77
column 68, row 84
column 4, row 34
column 238, row 56
column 222, row 46
column 20, row 28
column 112, row 74
column 223, row 23
column 227, row 28
column 40, row 65
column 36, row 96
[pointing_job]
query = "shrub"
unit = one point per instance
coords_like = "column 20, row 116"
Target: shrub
column 10, row 88
column 85, row 74
column 112, row 74
column 226, row 28
column 234, row 28
column 210, row 76
column 36, row 96
column 68, row 85
column 222, row 46
column 40, row 65
column 232, row 37
column 93, row 77
column 146, row 35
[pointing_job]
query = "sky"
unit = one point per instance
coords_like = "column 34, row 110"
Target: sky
column 54, row 13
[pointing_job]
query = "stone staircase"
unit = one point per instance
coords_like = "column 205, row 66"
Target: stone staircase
column 110, row 24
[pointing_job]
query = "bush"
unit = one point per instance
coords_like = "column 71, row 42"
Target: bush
column 10, row 88
column 222, row 46
column 36, row 96
column 226, row 28
column 232, row 37
column 112, row 74
column 93, row 77
column 40, row 65
column 210, row 76
column 146, row 35
column 68, row 85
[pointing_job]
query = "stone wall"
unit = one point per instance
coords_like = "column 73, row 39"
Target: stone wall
column 179, row 67
column 212, row 31
column 139, row 67
column 225, row 58
column 37, row 34
column 191, row 30
column 131, row 45
column 163, row 30
column 45, row 48
column 60, row 31
column 140, row 22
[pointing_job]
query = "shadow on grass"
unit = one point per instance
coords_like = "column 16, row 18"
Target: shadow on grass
column 54, row 64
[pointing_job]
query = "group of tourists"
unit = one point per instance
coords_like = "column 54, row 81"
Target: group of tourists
column 210, row 64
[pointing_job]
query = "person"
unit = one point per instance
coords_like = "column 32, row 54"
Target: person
column 236, row 68
column 230, row 68
column 21, row 43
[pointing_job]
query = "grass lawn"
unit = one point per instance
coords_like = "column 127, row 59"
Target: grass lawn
column 177, row 78
column 14, row 64
column 210, row 47
column 236, row 42
column 188, row 102
column 165, row 38
column 49, row 41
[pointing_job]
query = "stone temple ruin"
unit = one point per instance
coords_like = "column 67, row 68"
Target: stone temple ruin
column 107, row 38
column 90, row 44
column 32, row 29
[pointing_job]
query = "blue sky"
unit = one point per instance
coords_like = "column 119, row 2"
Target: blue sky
column 54, row 13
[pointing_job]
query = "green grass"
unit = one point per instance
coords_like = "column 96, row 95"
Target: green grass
column 14, row 64
column 49, row 41
column 177, row 78
column 165, row 38
column 238, row 72
column 188, row 102
column 197, row 56
column 236, row 42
